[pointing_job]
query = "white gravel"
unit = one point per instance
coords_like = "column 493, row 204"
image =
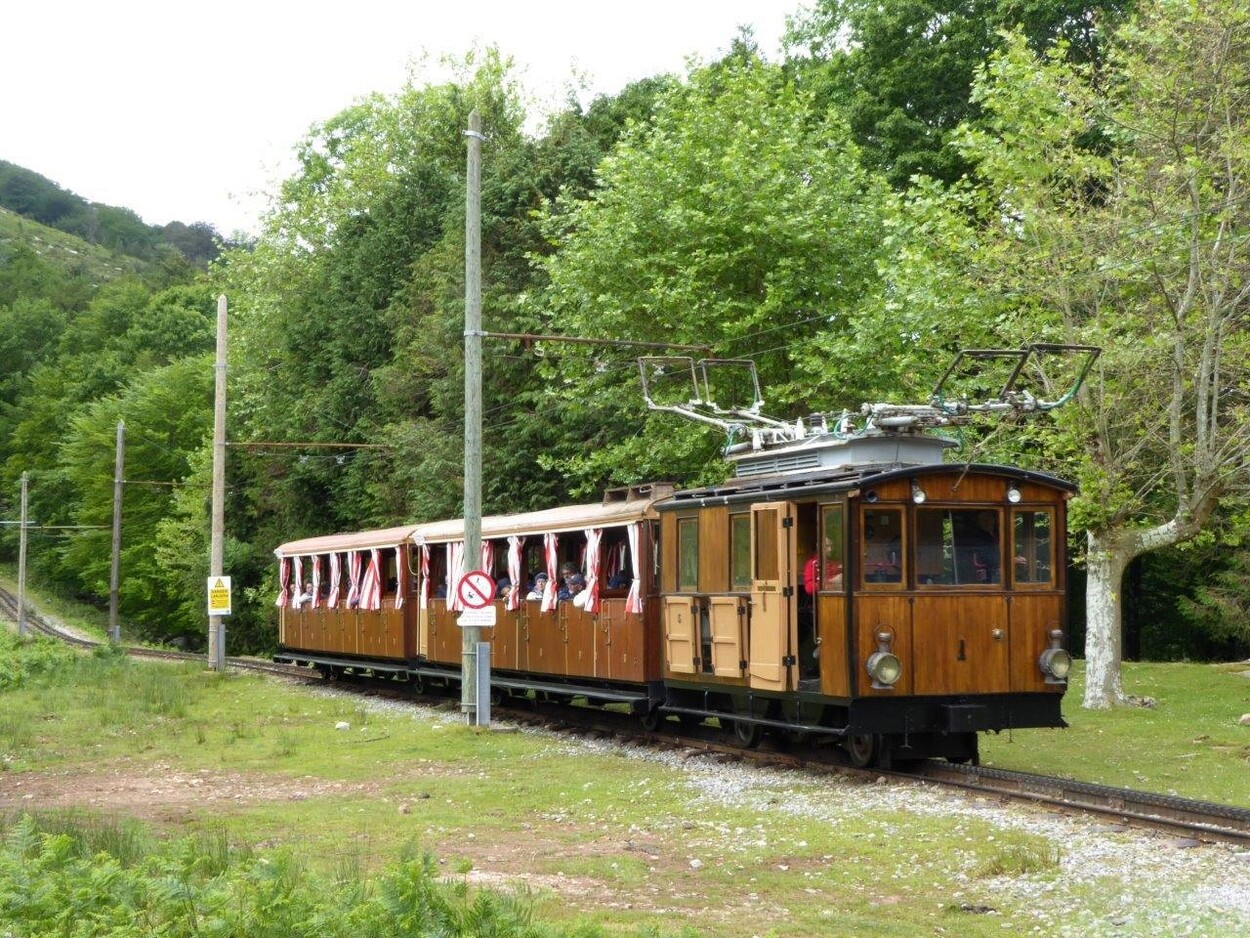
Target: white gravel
column 1110, row 881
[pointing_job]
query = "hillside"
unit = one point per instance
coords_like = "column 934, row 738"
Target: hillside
column 39, row 199
column 67, row 251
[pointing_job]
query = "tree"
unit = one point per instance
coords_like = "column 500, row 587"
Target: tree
column 1117, row 214
column 903, row 70
column 738, row 219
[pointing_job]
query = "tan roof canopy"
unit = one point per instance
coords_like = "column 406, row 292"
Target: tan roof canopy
column 553, row 521
column 358, row 540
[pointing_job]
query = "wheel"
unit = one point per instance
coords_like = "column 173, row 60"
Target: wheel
column 747, row 735
column 651, row 720
column 417, row 683
column 862, row 750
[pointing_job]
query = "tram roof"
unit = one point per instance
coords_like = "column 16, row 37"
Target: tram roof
column 356, row 540
column 760, row 488
column 549, row 521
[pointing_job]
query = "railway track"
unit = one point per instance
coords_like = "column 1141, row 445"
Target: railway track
column 41, row 625
column 1200, row 820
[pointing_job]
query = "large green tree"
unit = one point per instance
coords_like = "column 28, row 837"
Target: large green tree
column 739, row 219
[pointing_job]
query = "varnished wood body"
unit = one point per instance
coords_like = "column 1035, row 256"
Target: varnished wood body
column 959, row 639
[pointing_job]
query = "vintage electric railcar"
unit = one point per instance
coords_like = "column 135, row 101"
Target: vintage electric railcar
column 852, row 589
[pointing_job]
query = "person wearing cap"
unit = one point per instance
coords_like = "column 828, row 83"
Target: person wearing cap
column 540, row 583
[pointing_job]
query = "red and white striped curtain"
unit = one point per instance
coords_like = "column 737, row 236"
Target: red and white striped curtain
column 401, row 577
column 336, row 575
column 284, row 577
column 551, row 545
column 514, row 573
column 299, row 583
column 316, row 581
column 593, row 538
column 371, row 586
column 633, row 602
column 354, row 561
column 455, row 570
column 425, row 576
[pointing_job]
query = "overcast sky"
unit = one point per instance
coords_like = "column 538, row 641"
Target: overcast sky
column 189, row 111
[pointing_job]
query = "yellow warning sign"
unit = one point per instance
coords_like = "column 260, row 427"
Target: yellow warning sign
column 219, row 595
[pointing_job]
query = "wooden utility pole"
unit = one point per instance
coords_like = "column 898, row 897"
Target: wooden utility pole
column 217, row 624
column 115, row 631
column 21, row 566
column 471, row 636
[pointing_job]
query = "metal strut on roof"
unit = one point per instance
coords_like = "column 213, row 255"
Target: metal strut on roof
column 748, row 429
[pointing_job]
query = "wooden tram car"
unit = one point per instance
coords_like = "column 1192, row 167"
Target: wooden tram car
column 845, row 587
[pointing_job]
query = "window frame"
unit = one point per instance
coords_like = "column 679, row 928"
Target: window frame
column 1052, row 561
column 840, row 542
column 862, row 544
column 687, row 581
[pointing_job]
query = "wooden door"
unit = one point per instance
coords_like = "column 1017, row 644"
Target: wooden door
column 729, row 632
column 774, row 617
column 681, row 635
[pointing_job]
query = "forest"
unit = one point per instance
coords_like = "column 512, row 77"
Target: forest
column 904, row 181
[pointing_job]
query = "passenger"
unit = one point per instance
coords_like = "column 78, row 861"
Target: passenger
column 540, row 583
column 619, row 580
column 306, row 594
column 441, row 591
column 503, row 588
column 574, row 587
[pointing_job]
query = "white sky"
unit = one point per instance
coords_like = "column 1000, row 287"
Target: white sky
column 189, row 111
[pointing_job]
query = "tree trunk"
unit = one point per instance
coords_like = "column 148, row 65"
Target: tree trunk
column 1105, row 566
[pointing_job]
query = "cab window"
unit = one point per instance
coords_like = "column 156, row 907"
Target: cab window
column 831, row 559
column 881, row 545
column 958, row 547
column 1032, row 541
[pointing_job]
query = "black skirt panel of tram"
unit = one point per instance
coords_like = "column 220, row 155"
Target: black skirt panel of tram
column 955, row 714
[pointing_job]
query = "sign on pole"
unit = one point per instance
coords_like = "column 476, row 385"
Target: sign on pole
column 476, row 589
column 477, row 618
column 219, row 595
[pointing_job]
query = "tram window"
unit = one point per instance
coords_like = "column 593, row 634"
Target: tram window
column 958, row 547
column 389, row 581
column 831, row 561
column 882, row 545
column 687, row 553
column 1031, row 539
column 740, row 551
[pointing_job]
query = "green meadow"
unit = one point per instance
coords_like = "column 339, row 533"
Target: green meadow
column 202, row 803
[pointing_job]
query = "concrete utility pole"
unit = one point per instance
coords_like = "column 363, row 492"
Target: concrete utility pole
column 217, row 624
column 115, row 631
column 471, row 636
column 21, row 566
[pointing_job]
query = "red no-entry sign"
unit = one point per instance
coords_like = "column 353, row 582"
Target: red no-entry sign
column 476, row 589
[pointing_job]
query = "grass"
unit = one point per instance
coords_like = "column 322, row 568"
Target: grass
column 1189, row 744
column 608, row 842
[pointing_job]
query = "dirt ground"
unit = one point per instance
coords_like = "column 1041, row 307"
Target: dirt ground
column 164, row 796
